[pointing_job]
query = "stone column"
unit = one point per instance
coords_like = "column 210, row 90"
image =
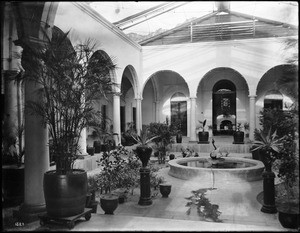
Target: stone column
column 252, row 110
column 11, row 101
column 82, row 142
column 138, row 114
column 193, row 120
column 157, row 111
column 36, row 161
column 117, row 119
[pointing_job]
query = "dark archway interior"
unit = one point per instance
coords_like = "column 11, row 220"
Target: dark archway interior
column 224, row 107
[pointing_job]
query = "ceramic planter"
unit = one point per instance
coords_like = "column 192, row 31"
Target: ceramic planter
column 165, row 189
column 65, row 195
column 144, row 153
column 13, row 184
column 109, row 203
column 171, row 156
column 288, row 215
column 203, row 137
column 238, row 137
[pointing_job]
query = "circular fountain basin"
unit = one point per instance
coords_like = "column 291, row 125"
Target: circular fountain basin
column 221, row 169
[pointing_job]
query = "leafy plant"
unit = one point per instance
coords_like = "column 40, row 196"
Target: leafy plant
column 270, row 145
column 71, row 78
column 202, row 125
column 103, row 130
column 205, row 209
column 145, row 136
column 112, row 165
column 127, row 139
column 164, row 138
column 288, row 171
column 239, row 126
column 246, row 126
column 284, row 122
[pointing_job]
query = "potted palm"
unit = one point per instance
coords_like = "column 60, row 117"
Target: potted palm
column 238, row 135
column 143, row 150
column 71, row 78
column 269, row 147
column 203, row 135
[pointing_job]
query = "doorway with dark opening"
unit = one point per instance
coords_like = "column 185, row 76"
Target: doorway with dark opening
column 224, row 107
column 179, row 111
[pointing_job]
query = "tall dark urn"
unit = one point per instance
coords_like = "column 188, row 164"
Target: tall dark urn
column 144, row 153
column 65, row 194
column 268, row 187
column 203, row 137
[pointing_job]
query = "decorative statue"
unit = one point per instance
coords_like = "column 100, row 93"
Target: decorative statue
column 216, row 153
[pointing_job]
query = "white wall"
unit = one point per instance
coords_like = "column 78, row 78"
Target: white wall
column 85, row 23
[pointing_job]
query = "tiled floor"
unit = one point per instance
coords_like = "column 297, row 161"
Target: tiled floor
column 240, row 210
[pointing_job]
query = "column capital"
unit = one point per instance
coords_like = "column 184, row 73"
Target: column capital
column 139, row 98
column 193, row 97
column 252, row 96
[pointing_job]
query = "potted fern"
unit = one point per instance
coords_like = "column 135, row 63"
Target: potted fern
column 71, row 78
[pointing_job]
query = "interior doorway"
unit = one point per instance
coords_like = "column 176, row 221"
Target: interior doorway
column 224, row 108
column 179, row 111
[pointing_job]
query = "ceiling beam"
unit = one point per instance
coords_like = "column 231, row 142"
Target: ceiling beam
column 148, row 14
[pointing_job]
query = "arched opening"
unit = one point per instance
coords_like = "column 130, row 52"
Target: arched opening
column 179, row 111
column 224, row 107
column 273, row 99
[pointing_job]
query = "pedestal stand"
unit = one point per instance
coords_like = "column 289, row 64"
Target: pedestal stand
column 145, row 198
column 269, row 193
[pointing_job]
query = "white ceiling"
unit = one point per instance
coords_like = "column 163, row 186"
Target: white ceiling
column 283, row 11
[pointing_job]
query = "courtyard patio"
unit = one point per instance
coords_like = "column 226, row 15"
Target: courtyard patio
column 238, row 203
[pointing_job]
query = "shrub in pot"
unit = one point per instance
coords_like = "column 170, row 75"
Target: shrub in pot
column 238, row 135
column 203, row 135
column 64, row 72
column 111, row 177
column 164, row 139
